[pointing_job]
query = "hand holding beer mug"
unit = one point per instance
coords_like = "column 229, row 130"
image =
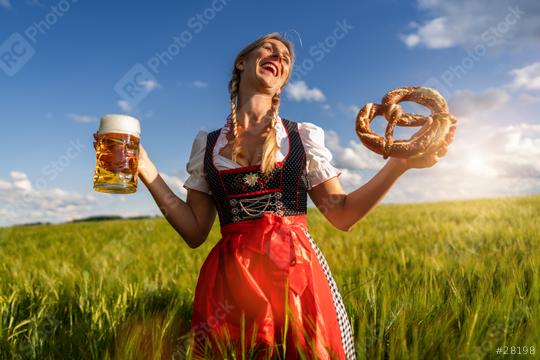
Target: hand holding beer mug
column 117, row 154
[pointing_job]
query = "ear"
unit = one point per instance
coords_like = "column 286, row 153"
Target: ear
column 240, row 64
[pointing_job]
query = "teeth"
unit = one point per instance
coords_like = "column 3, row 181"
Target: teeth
column 272, row 66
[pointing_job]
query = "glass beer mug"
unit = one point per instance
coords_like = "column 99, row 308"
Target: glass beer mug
column 117, row 154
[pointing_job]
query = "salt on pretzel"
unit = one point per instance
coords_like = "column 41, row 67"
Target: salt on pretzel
column 440, row 131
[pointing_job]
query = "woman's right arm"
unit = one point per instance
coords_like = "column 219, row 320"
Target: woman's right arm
column 192, row 219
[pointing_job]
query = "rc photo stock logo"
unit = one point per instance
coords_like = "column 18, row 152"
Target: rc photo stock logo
column 495, row 34
column 15, row 52
column 136, row 84
column 141, row 79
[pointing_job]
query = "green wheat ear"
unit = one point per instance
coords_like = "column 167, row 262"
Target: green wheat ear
column 413, row 275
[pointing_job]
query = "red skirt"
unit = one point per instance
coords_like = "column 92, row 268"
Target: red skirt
column 262, row 287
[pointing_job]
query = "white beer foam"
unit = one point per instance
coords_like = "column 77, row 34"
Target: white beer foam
column 119, row 123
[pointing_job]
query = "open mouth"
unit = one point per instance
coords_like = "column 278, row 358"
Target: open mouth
column 271, row 67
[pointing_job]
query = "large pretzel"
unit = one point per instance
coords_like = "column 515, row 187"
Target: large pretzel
column 430, row 139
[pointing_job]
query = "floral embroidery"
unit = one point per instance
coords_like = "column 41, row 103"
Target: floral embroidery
column 251, row 179
column 254, row 180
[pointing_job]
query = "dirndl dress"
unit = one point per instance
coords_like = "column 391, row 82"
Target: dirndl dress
column 266, row 285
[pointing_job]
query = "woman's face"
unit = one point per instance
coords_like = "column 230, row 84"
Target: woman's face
column 267, row 67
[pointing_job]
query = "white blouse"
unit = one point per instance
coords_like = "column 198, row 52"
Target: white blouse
column 318, row 157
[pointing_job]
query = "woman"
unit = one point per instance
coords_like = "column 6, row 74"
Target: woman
column 265, row 284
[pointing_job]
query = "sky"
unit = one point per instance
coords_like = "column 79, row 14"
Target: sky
column 64, row 64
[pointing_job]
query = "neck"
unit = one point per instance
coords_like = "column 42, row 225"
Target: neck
column 253, row 109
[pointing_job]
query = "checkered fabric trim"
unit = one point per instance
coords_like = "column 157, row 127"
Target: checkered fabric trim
column 343, row 320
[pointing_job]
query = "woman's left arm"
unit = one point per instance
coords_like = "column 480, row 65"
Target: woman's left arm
column 344, row 210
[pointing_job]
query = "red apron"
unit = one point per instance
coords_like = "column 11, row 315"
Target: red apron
column 258, row 270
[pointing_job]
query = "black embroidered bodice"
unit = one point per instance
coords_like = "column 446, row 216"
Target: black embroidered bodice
column 246, row 193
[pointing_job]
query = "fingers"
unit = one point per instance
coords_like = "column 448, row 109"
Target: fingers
column 424, row 127
column 427, row 124
column 451, row 134
column 448, row 140
column 428, row 161
column 435, row 160
column 432, row 160
column 442, row 151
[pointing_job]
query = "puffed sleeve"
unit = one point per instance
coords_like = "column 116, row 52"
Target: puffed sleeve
column 318, row 156
column 195, row 166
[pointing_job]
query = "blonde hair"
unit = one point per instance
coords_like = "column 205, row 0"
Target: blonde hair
column 270, row 146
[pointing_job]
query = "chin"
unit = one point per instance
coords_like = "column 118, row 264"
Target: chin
column 268, row 84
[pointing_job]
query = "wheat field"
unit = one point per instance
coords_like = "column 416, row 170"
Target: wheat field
column 443, row 280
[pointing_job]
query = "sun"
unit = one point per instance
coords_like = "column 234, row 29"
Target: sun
column 477, row 164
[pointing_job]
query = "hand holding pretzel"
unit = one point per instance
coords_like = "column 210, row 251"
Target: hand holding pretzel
column 426, row 160
column 427, row 144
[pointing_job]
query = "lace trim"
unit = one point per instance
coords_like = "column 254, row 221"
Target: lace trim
column 245, row 208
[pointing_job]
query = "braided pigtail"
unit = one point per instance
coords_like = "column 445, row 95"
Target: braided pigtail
column 233, row 91
column 270, row 147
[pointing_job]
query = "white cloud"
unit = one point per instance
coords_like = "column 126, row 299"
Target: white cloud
column 490, row 23
column 483, row 161
column 176, row 183
column 83, row 119
column 124, row 105
column 149, row 85
column 411, row 40
column 5, row 3
column 527, row 78
column 465, row 102
column 430, row 3
column 299, row 91
column 26, row 201
column 348, row 109
column 436, row 33
column 22, row 202
column 5, row 185
column 528, row 99
column 200, row 84
column 350, row 179
column 17, row 175
column 355, row 156
column 19, row 180
column 521, row 140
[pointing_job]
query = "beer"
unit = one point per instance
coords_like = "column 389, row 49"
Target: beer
column 117, row 154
